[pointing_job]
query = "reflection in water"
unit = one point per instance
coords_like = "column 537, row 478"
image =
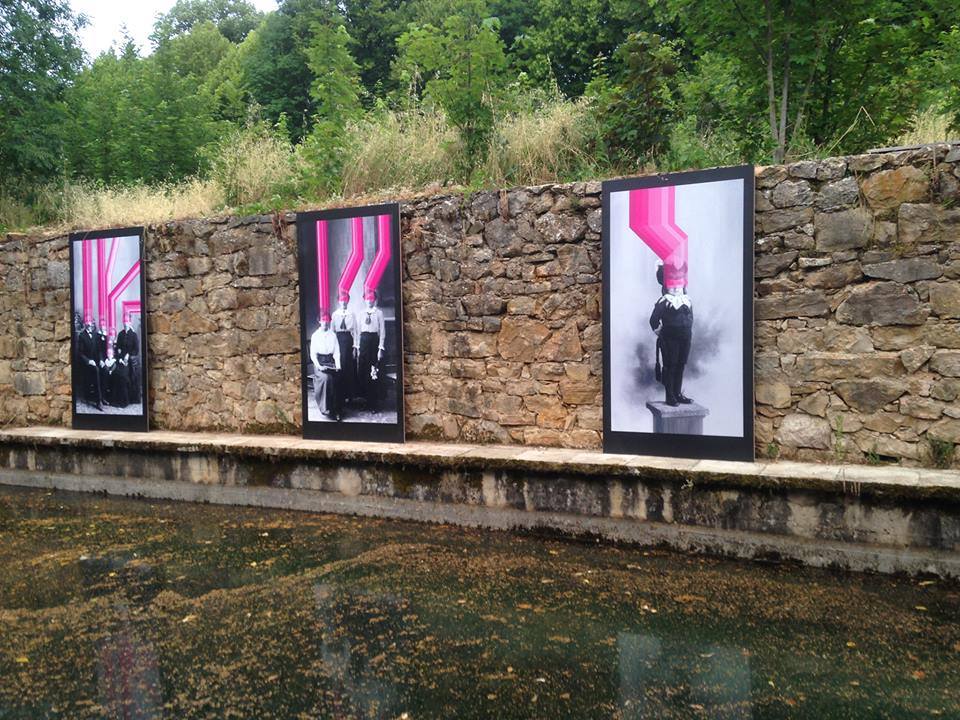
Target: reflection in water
column 711, row 679
column 342, row 622
column 115, row 608
column 128, row 675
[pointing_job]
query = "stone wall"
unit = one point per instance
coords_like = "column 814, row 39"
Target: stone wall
column 857, row 333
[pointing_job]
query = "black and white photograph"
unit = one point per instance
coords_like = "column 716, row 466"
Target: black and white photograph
column 351, row 323
column 108, row 333
column 678, row 314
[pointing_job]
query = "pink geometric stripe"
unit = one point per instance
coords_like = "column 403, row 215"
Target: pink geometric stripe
column 652, row 218
column 354, row 261
column 323, row 271
column 116, row 292
column 380, row 260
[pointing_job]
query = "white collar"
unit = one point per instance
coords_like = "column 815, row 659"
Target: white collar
column 677, row 301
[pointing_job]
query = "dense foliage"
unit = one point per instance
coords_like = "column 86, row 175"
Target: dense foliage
column 607, row 85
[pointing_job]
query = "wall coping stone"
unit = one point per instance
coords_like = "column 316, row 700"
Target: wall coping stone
column 899, row 483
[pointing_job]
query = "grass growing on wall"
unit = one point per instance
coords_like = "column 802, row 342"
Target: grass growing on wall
column 387, row 153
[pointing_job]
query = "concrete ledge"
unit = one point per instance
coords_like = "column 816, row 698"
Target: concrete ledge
column 882, row 481
column 850, row 517
column 729, row 543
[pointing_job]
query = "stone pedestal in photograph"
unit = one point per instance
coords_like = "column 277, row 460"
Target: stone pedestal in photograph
column 679, row 420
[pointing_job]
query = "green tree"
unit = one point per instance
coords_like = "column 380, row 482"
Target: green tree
column 460, row 66
column 374, row 26
column 39, row 56
column 135, row 119
column 233, row 18
column 276, row 70
column 633, row 98
column 566, row 36
column 336, row 93
column 836, row 74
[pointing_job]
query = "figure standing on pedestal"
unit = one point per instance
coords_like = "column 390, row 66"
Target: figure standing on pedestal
column 672, row 320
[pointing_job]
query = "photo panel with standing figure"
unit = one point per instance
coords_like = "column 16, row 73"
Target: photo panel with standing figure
column 108, row 330
column 678, row 314
column 351, row 323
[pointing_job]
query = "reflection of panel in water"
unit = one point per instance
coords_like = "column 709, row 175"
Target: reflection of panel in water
column 128, row 676
column 342, row 616
column 723, row 680
column 653, row 677
column 639, row 657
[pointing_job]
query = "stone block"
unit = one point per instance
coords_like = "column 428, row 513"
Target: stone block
column 839, row 194
column 924, row 223
column 774, row 263
column 778, row 220
column 561, row 228
column 882, row 303
column 521, row 338
column 815, row 404
column 891, row 188
column 869, row 396
column 913, row 358
column 947, row 430
column 945, row 299
column 843, row 230
column 791, row 193
column 470, row 345
column 789, row 305
column 563, row 344
column 30, row 383
column 904, row 270
column 775, row 394
column 835, row 276
column 946, row 362
column 919, row 407
column 804, row 431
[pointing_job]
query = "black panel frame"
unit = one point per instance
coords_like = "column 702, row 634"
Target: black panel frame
column 715, row 447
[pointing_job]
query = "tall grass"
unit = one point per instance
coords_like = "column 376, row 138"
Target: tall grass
column 86, row 204
column 926, row 126
column 400, row 150
column 555, row 141
column 252, row 165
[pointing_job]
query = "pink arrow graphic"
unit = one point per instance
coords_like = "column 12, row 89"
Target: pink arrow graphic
column 130, row 308
column 652, row 213
column 87, row 272
column 380, row 260
column 323, row 271
column 350, row 270
column 116, row 292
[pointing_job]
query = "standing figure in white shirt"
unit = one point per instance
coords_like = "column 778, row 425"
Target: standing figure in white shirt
column 325, row 354
column 372, row 331
column 345, row 326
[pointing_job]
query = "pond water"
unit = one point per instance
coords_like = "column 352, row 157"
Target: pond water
column 134, row 609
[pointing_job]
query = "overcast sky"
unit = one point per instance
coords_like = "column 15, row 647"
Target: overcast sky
column 107, row 17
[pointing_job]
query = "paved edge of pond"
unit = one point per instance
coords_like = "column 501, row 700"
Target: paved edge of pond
column 855, row 557
column 882, row 519
column 882, row 481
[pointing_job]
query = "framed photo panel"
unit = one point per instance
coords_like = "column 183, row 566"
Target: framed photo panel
column 678, row 314
column 108, row 338
column 351, row 323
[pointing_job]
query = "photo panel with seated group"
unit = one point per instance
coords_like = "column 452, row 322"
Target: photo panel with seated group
column 351, row 323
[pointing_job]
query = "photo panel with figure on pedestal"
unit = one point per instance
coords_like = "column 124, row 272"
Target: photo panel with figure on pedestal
column 351, row 323
column 108, row 332
column 678, row 314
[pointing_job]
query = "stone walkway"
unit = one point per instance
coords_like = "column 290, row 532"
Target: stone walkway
column 887, row 481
